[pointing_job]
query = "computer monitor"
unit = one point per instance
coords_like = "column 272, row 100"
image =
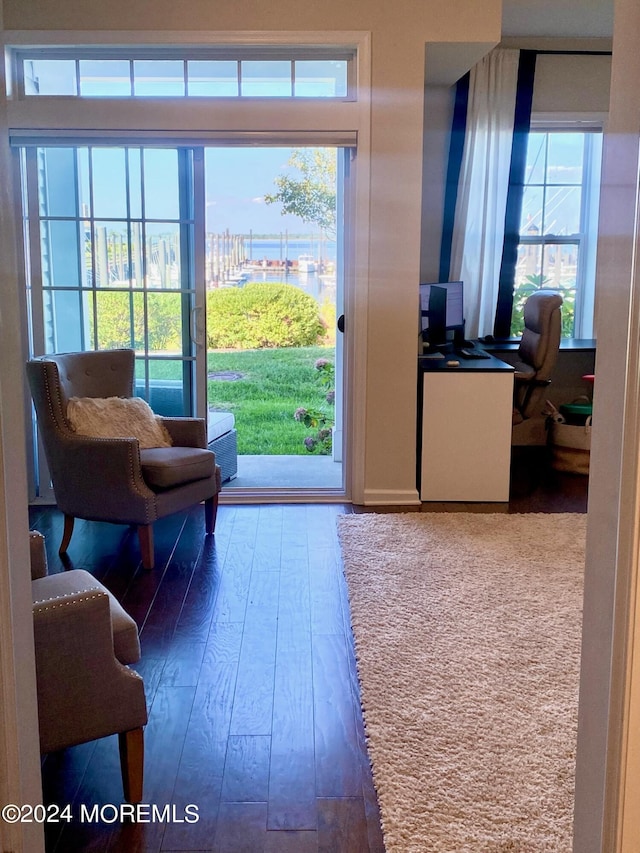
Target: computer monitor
column 441, row 311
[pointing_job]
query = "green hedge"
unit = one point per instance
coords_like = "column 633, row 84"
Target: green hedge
column 262, row 314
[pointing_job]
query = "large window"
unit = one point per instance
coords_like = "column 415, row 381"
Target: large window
column 559, row 225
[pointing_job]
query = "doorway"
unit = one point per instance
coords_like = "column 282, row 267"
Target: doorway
column 274, row 274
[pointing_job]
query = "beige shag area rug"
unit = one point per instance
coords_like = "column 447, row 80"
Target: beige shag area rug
column 467, row 632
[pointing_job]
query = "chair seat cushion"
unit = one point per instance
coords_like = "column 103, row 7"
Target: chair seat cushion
column 167, row 467
column 126, row 644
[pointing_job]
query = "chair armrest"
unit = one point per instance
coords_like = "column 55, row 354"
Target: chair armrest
column 187, row 432
column 83, row 692
column 100, row 479
column 38, row 555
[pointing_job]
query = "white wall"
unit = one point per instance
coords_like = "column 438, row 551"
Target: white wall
column 571, row 84
column 438, row 115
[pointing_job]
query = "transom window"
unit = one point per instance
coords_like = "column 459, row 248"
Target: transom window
column 558, row 225
column 306, row 72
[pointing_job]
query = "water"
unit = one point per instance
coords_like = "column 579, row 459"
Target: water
column 272, row 253
column 258, row 249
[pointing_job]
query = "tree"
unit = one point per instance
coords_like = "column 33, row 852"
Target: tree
column 312, row 196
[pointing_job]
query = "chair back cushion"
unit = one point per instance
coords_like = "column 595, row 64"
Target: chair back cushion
column 103, row 373
column 542, row 330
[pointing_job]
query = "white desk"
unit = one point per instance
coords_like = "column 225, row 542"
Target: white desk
column 465, row 429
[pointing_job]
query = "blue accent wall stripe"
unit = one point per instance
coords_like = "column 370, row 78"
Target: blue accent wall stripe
column 456, row 148
column 522, row 123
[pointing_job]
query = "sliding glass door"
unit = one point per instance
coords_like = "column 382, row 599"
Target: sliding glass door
column 140, row 246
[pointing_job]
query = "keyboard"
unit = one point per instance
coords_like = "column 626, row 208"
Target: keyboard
column 472, row 353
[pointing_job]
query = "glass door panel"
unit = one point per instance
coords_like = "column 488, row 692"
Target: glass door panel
column 112, row 235
column 274, row 289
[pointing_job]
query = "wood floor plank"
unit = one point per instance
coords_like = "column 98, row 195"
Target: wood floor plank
column 165, row 609
column 342, row 825
column 292, row 798
column 268, row 542
column 140, row 595
column 292, row 841
column 294, row 605
column 372, row 811
column 195, row 618
column 213, row 702
column 151, row 670
column 253, row 700
column 241, row 828
column 338, row 766
column 326, row 617
column 198, row 783
column 182, row 664
column 233, row 591
column 246, row 769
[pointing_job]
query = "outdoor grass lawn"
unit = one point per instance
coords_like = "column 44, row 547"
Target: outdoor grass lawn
column 273, row 384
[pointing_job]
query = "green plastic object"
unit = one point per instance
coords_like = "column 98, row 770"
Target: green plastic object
column 574, row 412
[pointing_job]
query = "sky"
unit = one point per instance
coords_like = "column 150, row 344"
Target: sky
column 237, row 179
column 236, row 182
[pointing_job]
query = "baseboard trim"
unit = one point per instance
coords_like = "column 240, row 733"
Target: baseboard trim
column 391, row 497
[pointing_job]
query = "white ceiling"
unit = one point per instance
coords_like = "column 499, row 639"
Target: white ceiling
column 557, row 18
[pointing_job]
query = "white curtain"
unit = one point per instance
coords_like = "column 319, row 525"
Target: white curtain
column 478, row 232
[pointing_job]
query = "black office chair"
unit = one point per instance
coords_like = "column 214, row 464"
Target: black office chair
column 537, row 353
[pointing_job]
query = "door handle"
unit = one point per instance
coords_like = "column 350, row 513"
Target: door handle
column 340, row 323
column 193, row 326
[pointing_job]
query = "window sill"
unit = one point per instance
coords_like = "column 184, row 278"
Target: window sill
column 571, row 344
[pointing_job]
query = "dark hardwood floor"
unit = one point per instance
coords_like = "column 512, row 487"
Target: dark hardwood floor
column 250, row 676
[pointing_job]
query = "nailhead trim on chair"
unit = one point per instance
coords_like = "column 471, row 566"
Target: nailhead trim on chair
column 62, row 603
column 76, row 592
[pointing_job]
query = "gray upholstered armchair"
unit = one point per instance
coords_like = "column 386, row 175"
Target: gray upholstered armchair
column 113, row 479
column 84, row 642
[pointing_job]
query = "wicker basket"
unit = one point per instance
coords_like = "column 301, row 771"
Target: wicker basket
column 570, row 447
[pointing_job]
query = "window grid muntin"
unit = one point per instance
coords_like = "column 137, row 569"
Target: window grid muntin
column 547, row 240
column 88, row 289
column 238, row 53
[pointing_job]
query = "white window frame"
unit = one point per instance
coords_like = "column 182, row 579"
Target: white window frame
column 237, row 53
column 586, row 240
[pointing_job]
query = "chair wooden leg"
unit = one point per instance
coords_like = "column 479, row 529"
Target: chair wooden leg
column 66, row 534
column 145, row 537
column 210, row 513
column 132, row 764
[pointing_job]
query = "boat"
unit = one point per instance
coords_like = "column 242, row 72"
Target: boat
column 237, row 278
column 307, row 263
